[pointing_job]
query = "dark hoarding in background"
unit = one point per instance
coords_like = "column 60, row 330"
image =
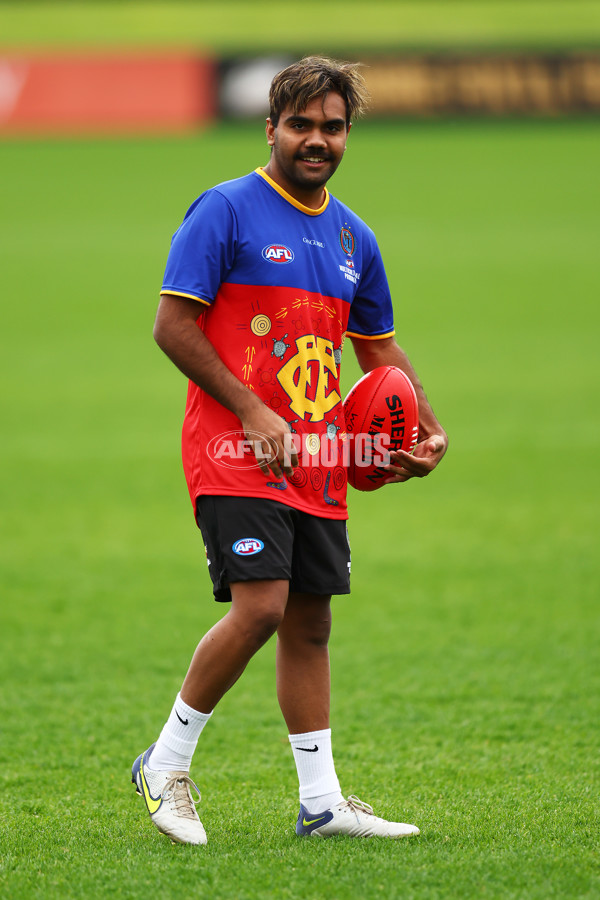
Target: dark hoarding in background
column 427, row 85
column 485, row 85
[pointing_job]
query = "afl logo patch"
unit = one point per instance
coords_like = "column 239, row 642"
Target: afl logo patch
column 277, row 253
column 347, row 241
column 247, row 546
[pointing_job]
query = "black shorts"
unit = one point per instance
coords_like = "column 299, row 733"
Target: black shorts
column 252, row 539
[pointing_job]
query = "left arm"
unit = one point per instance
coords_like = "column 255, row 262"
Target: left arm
column 433, row 440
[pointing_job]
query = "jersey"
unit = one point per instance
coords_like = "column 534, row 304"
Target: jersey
column 279, row 286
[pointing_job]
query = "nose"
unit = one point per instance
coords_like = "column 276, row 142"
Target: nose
column 316, row 139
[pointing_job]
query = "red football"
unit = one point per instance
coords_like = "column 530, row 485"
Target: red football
column 381, row 414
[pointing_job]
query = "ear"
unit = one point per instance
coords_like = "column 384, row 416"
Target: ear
column 270, row 132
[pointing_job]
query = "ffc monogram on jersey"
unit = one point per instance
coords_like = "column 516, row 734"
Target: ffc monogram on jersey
column 279, row 287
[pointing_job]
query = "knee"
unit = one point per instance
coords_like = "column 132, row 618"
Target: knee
column 312, row 628
column 263, row 623
column 317, row 631
column 258, row 616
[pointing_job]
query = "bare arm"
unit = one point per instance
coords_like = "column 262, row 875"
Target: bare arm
column 433, row 440
column 176, row 333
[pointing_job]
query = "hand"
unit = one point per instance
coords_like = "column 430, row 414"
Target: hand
column 420, row 462
column 271, row 440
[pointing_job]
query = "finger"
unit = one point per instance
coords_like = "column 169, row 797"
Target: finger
column 265, row 463
column 274, row 461
column 289, row 462
column 288, row 453
column 400, row 457
column 406, row 458
column 412, row 462
column 289, row 457
column 272, row 466
column 266, row 459
column 398, row 474
column 409, row 471
column 275, row 469
column 263, row 466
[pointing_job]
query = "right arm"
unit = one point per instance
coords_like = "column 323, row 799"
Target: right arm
column 186, row 345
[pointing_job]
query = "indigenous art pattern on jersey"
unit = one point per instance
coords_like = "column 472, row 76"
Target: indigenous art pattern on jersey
column 279, row 287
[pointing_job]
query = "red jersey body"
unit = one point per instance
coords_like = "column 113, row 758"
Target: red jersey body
column 279, row 285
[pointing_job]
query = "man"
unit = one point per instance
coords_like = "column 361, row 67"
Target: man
column 265, row 277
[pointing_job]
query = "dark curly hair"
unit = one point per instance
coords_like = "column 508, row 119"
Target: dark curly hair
column 313, row 77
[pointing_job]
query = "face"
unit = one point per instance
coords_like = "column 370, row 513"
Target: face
column 308, row 146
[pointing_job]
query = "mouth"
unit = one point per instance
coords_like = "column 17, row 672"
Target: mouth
column 313, row 160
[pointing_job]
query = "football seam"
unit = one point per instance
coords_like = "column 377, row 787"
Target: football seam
column 372, row 400
column 382, row 378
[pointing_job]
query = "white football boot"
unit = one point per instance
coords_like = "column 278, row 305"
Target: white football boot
column 351, row 817
column 169, row 801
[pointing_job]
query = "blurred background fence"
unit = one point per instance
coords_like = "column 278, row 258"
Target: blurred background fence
column 61, row 73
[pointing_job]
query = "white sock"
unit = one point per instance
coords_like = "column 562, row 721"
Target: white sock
column 319, row 785
column 175, row 747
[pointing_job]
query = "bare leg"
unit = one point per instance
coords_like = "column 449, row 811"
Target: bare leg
column 303, row 679
column 256, row 610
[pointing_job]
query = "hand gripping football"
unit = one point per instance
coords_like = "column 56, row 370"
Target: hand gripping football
column 381, row 414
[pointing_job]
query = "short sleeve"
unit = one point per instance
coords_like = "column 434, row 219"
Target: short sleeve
column 371, row 312
column 202, row 250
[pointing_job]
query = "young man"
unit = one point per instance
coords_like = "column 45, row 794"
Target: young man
column 265, row 277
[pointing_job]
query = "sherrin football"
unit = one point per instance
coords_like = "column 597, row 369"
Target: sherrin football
column 381, row 414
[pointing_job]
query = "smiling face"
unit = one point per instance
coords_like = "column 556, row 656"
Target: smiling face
column 307, row 147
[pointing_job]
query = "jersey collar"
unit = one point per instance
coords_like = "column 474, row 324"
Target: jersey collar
column 305, row 209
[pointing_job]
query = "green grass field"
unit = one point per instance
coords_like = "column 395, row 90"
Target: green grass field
column 465, row 662
column 341, row 26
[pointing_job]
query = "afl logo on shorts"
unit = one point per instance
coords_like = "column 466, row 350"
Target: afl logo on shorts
column 278, row 253
column 247, row 546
